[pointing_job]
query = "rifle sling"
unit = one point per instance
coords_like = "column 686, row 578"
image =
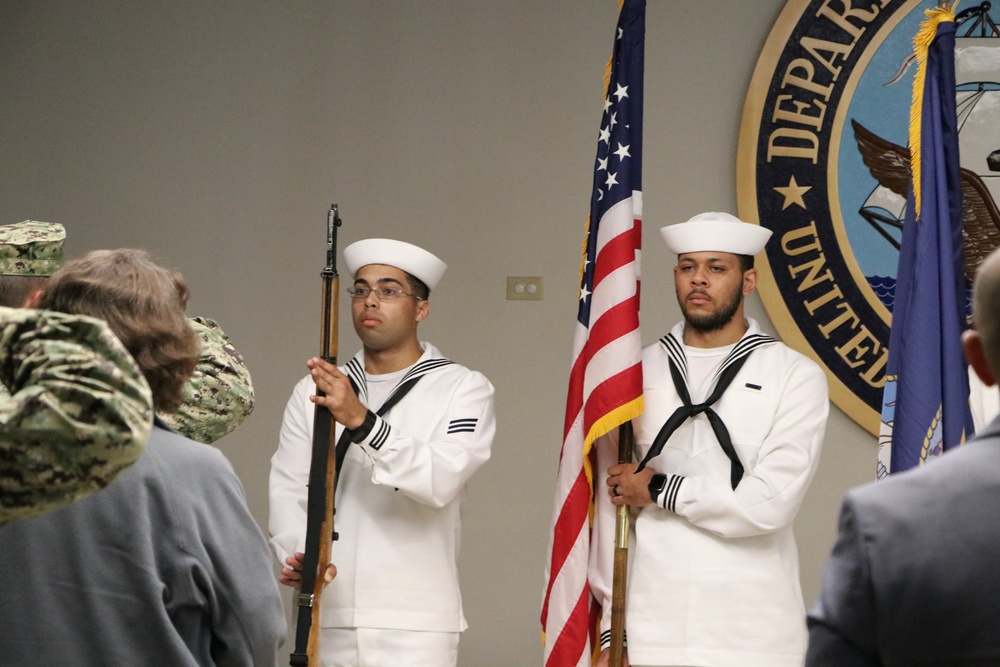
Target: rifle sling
column 345, row 438
column 315, row 516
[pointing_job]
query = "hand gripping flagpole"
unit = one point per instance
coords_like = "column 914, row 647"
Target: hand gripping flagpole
column 616, row 654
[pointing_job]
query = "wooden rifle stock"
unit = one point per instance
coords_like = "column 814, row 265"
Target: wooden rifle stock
column 322, row 474
column 616, row 654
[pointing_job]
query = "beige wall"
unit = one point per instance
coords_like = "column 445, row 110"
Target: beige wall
column 217, row 134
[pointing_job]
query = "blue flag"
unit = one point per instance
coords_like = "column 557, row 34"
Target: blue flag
column 926, row 398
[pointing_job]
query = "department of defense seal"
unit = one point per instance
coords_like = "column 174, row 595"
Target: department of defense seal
column 823, row 162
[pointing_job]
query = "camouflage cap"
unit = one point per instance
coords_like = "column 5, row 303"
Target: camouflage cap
column 31, row 248
column 219, row 396
column 75, row 410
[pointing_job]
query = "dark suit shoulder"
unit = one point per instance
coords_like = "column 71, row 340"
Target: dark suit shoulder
column 968, row 469
column 952, row 495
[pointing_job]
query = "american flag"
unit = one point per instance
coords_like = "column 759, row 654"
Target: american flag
column 605, row 385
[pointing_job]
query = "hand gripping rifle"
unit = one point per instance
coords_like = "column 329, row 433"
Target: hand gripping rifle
column 322, row 472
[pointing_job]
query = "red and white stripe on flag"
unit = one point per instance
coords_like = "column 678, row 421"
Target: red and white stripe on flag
column 605, row 384
column 605, row 390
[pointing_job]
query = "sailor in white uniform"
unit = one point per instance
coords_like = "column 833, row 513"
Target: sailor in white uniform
column 420, row 426
column 727, row 445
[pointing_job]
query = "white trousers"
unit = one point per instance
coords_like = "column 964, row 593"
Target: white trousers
column 375, row 647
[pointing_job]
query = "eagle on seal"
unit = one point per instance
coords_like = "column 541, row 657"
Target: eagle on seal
column 889, row 164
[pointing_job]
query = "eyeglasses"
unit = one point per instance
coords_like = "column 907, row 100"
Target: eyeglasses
column 383, row 294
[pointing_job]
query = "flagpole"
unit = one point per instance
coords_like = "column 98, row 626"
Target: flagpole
column 626, row 442
column 605, row 383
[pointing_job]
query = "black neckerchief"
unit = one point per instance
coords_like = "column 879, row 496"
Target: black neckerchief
column 723, row 378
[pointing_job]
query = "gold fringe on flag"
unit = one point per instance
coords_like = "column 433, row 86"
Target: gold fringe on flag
column 625, row 413
column 943, row 13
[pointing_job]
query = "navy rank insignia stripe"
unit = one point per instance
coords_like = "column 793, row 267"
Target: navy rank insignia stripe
column 467, row 425
column 823, row 162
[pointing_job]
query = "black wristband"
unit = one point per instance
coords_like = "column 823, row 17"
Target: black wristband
column 656, row 485
column 361, row 432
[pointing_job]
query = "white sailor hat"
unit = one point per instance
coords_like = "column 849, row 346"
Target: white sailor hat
column 716, row 231
column 405, row 256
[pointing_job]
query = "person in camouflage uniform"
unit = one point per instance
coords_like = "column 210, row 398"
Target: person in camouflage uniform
column 78, row 412
column 168, row 565
column 218, row 397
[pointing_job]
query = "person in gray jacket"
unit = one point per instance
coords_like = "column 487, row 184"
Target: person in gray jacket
column 912, row 579
column 165, row 566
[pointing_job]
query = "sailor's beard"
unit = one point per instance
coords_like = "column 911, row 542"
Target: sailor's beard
column 723, row 315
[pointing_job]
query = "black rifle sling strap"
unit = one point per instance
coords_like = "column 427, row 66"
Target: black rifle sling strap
column 315, row 515
column 345, row 438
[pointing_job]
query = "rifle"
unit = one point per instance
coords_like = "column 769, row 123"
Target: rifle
column 322, row 472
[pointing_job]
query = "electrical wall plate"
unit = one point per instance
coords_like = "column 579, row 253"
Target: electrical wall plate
column 524, row 288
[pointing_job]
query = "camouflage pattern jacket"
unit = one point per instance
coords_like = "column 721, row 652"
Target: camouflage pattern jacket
column 76, row 414
column 219, row 396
